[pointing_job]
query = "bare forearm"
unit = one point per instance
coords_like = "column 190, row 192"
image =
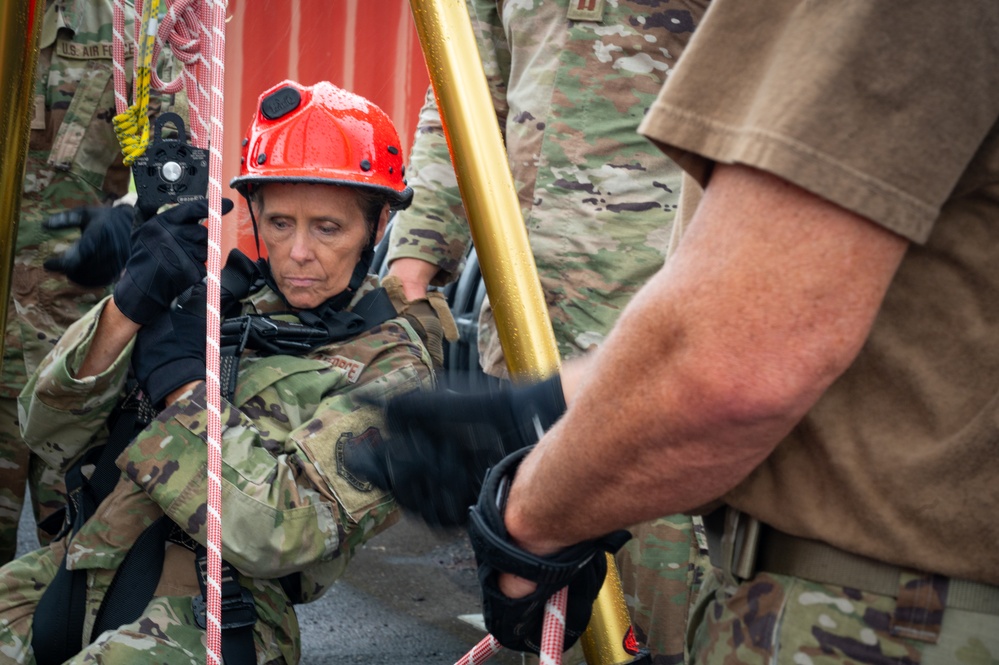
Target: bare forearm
column 414, row 274
column 715, row 360
column 114, row 332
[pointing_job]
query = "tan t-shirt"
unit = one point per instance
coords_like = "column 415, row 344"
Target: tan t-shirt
column 888, row 109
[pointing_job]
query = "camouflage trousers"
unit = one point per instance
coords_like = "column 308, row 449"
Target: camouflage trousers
column 778, row 620
column 166, row 633
column 20, row 468
column 661, row 570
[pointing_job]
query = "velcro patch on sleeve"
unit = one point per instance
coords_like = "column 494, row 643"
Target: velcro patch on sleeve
column 332, row 458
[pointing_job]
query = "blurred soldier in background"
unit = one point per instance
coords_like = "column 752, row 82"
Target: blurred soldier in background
column 74, row 166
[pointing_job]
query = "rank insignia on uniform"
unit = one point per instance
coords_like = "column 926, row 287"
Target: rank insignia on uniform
column 346, row 445
column 586, row 10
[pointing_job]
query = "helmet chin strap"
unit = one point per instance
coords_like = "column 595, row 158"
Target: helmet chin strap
column 253, row 220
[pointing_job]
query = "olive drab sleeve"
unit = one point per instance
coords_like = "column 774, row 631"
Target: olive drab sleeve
column 434, row 228
column 73, row 160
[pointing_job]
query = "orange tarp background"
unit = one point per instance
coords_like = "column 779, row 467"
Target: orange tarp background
column 366, row 46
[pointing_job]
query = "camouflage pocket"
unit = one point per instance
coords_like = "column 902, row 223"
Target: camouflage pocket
column 85, row 143
column 329, row 446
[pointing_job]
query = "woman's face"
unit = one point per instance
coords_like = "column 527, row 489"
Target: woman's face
column 314, row 235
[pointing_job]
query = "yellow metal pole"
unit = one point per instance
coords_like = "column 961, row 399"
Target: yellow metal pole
column 20, row 24
column 501, row 242
column 487, row 189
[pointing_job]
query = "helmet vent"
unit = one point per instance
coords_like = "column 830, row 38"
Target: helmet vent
column 365, row 165
column 261, row 158
column 393, row 150
column 280, row 102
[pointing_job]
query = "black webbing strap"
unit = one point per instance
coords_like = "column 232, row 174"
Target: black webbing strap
column 239, row 613
column 135, row 580
column 57, row 625
column 315, row 328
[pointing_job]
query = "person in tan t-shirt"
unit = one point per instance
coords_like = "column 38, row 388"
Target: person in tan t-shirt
column 818, row 360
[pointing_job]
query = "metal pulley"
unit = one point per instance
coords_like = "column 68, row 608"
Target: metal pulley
column 171, row 170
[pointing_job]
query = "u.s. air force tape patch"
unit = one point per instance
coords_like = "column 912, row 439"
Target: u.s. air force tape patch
column 347, row 445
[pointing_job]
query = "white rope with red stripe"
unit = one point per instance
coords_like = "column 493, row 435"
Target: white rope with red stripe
column 552, row 636
column 186, row 28
column 212, row 355
column 195, row 30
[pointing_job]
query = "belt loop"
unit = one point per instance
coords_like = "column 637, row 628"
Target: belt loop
column 920, row 607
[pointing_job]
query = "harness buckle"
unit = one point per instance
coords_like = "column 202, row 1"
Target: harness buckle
column 237, row 611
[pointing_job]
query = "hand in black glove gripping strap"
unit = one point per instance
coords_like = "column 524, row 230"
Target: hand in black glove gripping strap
column 517, row 622
column 168, row 256
column 169, row 351
column 441, row 442
column 97, row 258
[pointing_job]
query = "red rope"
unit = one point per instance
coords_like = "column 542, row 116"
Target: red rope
column 212, row 356
column 195, row 30
column 552, row 636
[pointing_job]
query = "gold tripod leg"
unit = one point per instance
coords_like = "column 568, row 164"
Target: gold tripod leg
column 501, row 242
column 20, row 25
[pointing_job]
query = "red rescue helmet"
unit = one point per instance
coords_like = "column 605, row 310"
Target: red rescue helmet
column 322, row 134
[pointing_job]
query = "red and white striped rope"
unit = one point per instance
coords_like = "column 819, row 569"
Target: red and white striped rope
column 118, row 57
column 553, row 629
column 187, row 29
column 481, row 652
column 197, row 39
column 212, row 355
column 552, row 636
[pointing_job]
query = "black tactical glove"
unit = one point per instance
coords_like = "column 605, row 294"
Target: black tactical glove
column 441, row 442
column 99, row 256
column 516, row 622
column 169, row 351
column 168, row 256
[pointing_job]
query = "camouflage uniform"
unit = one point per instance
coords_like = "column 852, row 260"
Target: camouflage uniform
column 782, row 619
column 289, row 504
column 73, row 160
column 598, row 201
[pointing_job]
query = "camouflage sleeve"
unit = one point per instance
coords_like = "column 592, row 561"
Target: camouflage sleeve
column 434, row 228
column 60, row 415
column 274, row 494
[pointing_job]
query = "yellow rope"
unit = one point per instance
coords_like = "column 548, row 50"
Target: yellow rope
column 132, row 126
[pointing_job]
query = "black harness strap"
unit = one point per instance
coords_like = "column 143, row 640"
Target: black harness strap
column 57, row 625
column 135, row 580
column 239, row 613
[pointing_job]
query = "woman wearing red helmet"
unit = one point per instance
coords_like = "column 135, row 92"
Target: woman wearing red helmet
column 309, row 342
column 301, row 140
